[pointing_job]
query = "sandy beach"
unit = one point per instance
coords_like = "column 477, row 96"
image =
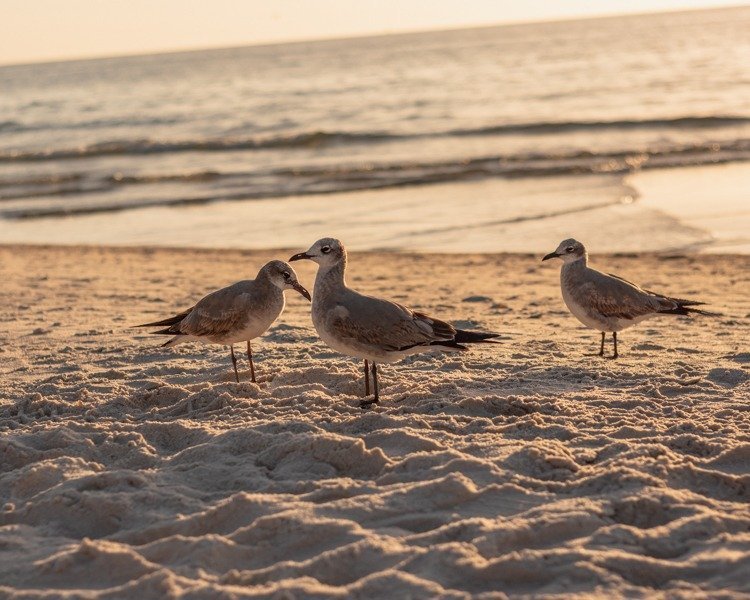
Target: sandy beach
column 526, row 468
column 146, row 161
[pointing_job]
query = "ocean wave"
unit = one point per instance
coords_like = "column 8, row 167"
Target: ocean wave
column 148, row 146
column 122, row 179
column 10, row 126
column 66, row 184
column 43, row 179
column 689, row 122
column 318, row 139
column 531, row 164
column 209, row 185
column 18, row 126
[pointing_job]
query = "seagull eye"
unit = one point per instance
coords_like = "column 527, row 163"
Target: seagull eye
column 569, row 249
column 286, row 274
column 325, row 249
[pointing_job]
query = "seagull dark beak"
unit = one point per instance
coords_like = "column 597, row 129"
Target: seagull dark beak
column 300, row 256
column 296, row 285
column 550, row 255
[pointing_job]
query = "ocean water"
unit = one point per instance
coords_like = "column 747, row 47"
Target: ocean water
column 600, row 97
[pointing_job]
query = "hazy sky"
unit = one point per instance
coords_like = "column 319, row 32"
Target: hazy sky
column 33, row 30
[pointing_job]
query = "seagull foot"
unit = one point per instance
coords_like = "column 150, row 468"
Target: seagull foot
column 367, row 403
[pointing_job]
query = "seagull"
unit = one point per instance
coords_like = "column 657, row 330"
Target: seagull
column 240, row 312
column 369, row 328
column 608, row 302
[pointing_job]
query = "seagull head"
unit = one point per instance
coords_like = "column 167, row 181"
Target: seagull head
column 326, row 252
column 569, row 251
column 283, row 277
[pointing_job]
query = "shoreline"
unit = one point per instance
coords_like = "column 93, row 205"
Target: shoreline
column 653, row 211
column 283, row 250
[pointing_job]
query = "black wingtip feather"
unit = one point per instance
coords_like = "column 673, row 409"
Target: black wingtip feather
column 686, row 309
column 167, row 331
column 474, row 337
column 461, row 337
column 682, row 302
column 449, row 344
column 170, row 321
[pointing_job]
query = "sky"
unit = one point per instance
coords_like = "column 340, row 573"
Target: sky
column 44, row 30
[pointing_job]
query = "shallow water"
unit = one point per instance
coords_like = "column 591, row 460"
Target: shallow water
column 657, row 211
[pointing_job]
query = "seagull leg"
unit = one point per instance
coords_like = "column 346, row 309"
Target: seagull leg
column 369, row 402
column 250, row 358
column 601, row 349
column 234, row 363
column 367, row 379
column 375, row 381
column 614, row 338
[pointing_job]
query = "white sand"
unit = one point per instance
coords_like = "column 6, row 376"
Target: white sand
column 521, row 469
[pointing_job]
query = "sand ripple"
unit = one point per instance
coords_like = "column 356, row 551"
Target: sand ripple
column 130, row 471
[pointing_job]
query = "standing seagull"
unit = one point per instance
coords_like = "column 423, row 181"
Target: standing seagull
column 370, row 328
column 240, row 312
column 607, row 302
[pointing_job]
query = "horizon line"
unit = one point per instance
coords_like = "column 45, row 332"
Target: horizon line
column 369, row 35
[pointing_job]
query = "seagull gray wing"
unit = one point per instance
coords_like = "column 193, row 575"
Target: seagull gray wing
column 612, row 296
column 677, row 301
column 630, row 283
column 221, row 312
column 385, row 325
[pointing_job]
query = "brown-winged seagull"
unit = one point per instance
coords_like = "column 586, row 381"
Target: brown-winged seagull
column 369, row 328
column 237, row 313
column 609, row 303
